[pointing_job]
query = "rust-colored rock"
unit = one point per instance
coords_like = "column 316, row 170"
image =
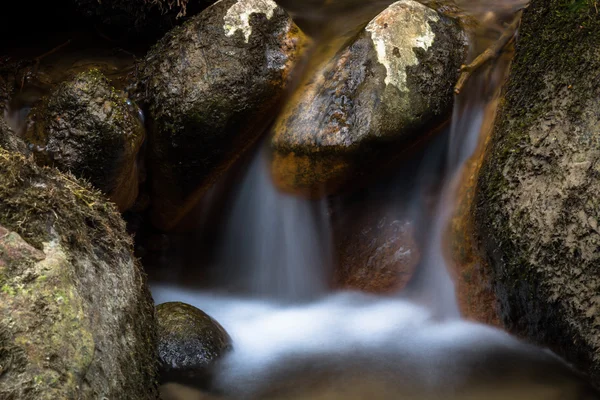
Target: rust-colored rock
column 375, row 252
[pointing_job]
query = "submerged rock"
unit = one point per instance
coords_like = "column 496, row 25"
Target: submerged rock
column 189, row 343
column 76, row 317
column 210, row 87
column 393, row 83
column 539, row 190
column 88, row 128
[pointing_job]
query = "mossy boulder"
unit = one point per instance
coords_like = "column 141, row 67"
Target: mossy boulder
column 76, row 317
column 392, row 84
column 189, row 343
column 210, row 87
column 88, row 128
column 538, row 196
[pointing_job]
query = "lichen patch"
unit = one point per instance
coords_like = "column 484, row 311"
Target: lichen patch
column 396, row 32
column 238, row 16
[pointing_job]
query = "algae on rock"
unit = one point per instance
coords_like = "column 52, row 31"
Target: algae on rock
column 537, row 205
column 76, row 317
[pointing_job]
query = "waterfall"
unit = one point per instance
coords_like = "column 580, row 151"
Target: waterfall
column 294, row 340
column 276, row 245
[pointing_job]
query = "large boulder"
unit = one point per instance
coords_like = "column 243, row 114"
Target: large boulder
column 189, row 343
column 392, row 84
column 539, row 190
column 88, row 128
column 76, row 317
column 210, row 87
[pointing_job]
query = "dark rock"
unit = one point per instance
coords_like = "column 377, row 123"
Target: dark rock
column 392, row 84
column 76, row 317
column 211, row 86
column 88, row 128
column 539, row 190
column 189, row 343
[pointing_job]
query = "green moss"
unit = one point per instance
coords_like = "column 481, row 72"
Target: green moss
column 554, row 79
column 45, row 305
column 9, row 290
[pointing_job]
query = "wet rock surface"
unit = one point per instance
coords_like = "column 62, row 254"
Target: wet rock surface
column 376, row 253
column 76, row 317
column 392, row 84
column 537, row 206
column 8, row 138
column 210, row 87
column 87, row 127
column 189, row 343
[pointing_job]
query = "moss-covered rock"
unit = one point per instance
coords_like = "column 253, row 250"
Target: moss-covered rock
column 538, row 200
column 210, row 86
column 394, row 82
column 76, row 317
column 88, row 128
column 189, row 343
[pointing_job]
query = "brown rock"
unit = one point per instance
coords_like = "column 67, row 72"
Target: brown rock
column 391, row 85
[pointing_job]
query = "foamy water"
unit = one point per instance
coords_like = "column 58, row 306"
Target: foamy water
column 293, row 339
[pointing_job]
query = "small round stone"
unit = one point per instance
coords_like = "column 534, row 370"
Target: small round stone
column 189, row 342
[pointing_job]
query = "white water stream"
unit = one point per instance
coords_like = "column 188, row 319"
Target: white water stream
column 293, row 340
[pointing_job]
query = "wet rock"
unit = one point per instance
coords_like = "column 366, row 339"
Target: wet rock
column 76, row 317
column 392, row 84
column 211, row 86
column 189, row 342
column 88, row 128
column 376, row 253
column 538, row 193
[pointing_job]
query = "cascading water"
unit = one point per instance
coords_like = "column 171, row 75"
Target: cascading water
column 350, row 345
column 276, row 246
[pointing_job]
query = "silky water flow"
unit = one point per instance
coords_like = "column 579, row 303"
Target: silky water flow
column 292, row 339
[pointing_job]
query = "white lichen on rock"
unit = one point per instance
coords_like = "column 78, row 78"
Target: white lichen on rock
column 396, row 32
column 238, row 16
